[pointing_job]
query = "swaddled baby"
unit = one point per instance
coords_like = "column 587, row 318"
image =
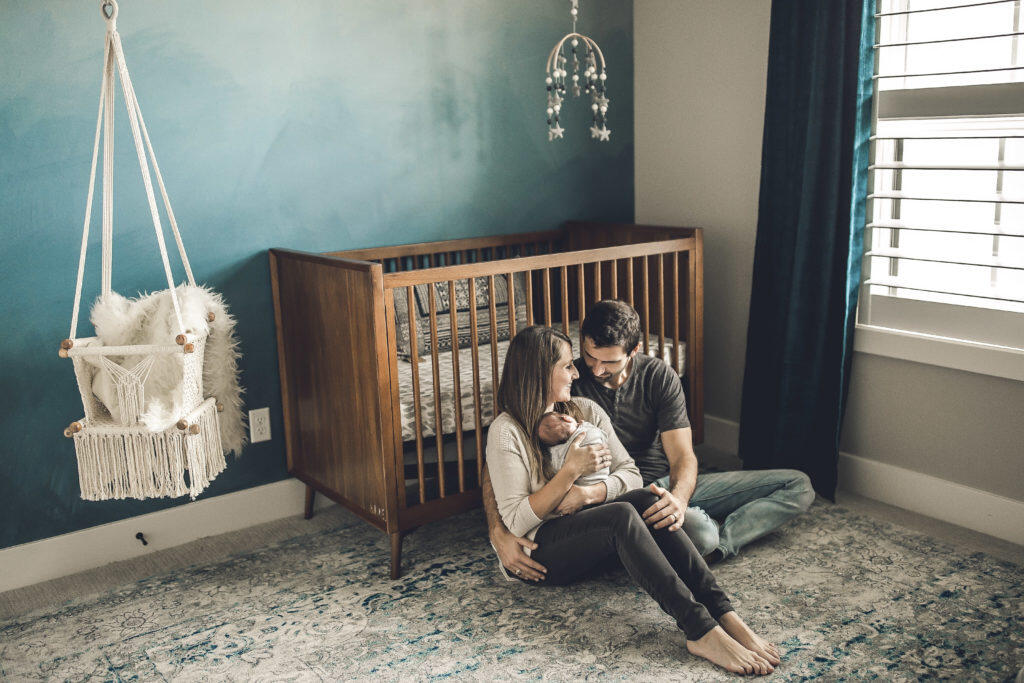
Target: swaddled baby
column 558, row 431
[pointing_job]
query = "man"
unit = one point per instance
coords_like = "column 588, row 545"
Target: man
column 644, row 398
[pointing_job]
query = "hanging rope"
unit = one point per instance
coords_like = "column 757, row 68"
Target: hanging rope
column 114, row 55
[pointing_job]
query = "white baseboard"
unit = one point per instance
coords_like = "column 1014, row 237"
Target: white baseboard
column 945, row 500
column 51, row 558
column 924, row 494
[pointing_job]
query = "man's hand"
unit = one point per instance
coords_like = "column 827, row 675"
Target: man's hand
column 510, row 552
column 668, row 511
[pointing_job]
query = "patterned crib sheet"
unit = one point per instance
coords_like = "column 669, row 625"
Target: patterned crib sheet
column 487, row 384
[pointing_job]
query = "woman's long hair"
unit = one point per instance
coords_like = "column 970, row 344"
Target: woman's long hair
column 525, row 381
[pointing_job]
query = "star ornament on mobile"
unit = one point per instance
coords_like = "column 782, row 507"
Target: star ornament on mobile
column 583, row 51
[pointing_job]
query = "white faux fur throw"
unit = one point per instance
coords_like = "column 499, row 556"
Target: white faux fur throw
column 150, row 319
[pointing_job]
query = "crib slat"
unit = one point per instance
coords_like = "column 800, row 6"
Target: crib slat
column 529, row 296
column 615, row 278
column 629, row 281
column 547, row 296
column 646, row 290
column 474, row 340
column 565, row 299
column 494, row 345
column 457, row 395
column 511, row 279
column 676, row 353
column 581, row 293
column 661, row 306
column 438, row 433
column 417, row 411
column 597, row 282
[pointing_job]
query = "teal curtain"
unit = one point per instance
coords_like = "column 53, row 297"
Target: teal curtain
column 810, row 228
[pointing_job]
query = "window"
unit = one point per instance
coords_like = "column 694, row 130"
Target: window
column 944, row 245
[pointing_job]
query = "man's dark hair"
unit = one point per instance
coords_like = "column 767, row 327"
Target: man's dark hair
column 612, row 323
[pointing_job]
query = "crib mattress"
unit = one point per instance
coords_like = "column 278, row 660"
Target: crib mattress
column 446, row 384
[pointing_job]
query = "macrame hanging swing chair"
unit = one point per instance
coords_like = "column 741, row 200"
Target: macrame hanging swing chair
column 121, row 453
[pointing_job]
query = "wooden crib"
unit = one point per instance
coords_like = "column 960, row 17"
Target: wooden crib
column 387, row 387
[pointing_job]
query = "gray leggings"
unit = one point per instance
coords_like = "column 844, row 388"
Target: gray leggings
column 664, row 563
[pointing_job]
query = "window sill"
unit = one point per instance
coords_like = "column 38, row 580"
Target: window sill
column 959, row 354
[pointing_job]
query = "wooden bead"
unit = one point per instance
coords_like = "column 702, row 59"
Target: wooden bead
column 180, row 340
column 67, row 432
column 189, row 348
column 67, row 344
column 193, row 429
column 220, row 407
column 63, row 353
column 181, row 424
column 210, row 317
column 75, row 427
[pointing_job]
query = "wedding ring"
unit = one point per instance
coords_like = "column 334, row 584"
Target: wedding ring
column 673, row 517
column 518, row 572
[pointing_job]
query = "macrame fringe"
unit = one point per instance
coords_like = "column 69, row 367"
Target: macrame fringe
column 116, row 465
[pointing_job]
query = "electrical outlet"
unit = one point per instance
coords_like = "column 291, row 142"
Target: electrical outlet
column 259, row 425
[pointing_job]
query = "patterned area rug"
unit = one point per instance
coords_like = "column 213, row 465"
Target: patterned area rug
column 845, row 596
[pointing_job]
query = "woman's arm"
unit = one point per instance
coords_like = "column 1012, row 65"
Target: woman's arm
column 510, row 476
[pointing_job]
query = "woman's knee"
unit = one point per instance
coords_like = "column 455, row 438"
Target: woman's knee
column 622, row 515
column 640, row 499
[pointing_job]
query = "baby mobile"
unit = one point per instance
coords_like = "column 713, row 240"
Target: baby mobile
column 592, row 82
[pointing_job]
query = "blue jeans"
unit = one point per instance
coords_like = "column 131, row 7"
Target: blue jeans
column 750, row 504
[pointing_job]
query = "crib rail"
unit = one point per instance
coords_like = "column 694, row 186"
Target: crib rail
column 552, row 289
column 407, row 257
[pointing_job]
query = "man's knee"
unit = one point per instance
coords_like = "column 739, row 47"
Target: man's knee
column 803, row 490
column 701, row 529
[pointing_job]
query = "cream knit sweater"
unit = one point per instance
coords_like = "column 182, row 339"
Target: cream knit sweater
column 514, row 480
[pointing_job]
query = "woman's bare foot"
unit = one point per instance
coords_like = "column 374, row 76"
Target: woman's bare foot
column 719, row 648
column 736, row 628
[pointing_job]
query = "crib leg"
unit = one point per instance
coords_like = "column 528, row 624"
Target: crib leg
column 310, row 497
column 396, row 555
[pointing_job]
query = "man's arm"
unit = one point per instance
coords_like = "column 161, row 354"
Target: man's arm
column 682, row 463
column 509, row 547
column 670, row 510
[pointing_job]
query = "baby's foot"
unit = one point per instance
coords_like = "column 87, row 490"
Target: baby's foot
column 738, row 629
column 718, row 647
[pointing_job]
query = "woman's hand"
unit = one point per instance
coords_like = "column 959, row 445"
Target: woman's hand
column 583, row 460
column 573, row 501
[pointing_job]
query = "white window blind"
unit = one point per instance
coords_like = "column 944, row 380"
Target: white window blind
column 944, row 245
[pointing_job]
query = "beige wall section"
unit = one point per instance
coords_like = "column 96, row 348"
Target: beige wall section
column 700, row 69
column 955, row 425
column 700, row 72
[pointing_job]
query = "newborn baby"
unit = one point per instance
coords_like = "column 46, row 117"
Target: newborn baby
column 558, row 431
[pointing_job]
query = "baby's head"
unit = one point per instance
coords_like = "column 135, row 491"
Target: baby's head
column 554, row 428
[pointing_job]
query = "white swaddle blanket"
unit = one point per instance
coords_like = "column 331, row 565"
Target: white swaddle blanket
column 594, row 435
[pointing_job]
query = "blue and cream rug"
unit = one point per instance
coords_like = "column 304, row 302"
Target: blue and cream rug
column 847, row 597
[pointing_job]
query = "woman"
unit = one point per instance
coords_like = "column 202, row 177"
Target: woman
column 540, row 503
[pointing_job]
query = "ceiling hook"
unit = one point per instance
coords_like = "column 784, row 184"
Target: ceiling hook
column 109, row 10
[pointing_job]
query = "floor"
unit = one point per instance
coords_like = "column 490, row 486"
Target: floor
column 216, row 548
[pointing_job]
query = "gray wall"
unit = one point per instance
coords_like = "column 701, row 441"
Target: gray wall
column 700, row 78
column 315, row 125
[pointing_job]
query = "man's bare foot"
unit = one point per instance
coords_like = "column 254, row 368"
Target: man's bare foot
column 736, row 628
column 719, row 648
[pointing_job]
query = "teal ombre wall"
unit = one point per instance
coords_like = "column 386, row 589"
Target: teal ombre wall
column 315, row 125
